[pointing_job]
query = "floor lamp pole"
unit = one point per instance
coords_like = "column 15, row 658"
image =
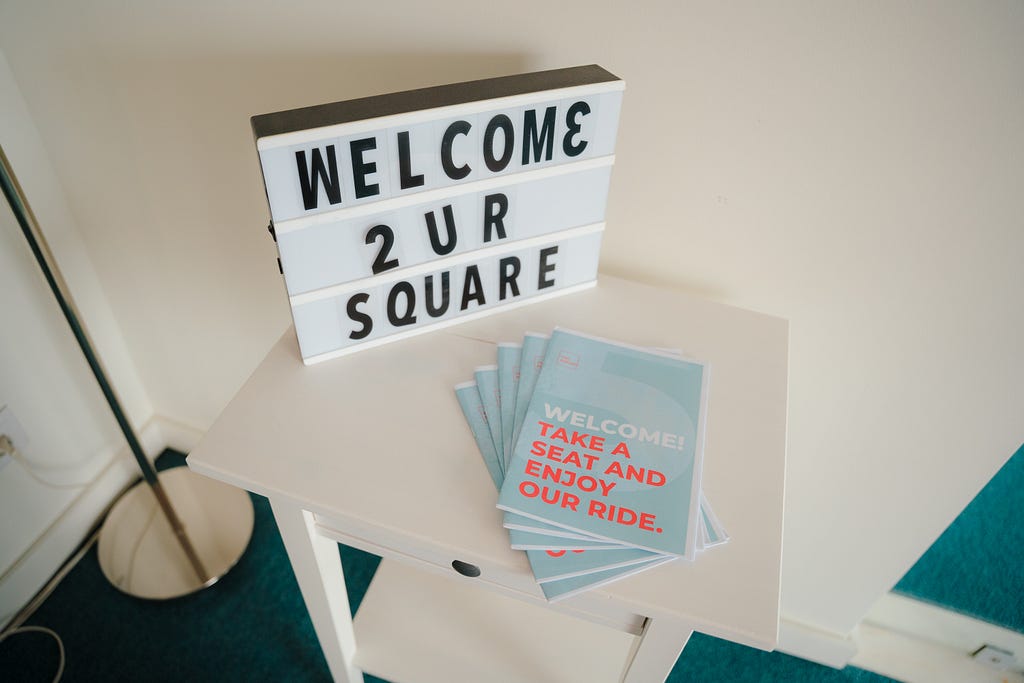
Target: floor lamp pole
column 40, row 249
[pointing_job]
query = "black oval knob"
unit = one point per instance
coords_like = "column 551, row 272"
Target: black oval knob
column 466, row 569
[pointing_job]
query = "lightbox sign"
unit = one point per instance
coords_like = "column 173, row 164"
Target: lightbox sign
column 401, row 213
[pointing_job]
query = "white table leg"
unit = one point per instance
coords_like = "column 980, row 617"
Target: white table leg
column 655, row 651
column 317, row 568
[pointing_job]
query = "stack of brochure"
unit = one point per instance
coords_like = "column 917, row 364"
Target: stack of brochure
column 596, row 449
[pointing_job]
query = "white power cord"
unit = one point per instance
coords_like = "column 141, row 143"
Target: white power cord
column 7, row 447
column 47, row 631
column 16, row 624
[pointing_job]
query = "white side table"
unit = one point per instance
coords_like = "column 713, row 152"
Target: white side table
column 371, row 450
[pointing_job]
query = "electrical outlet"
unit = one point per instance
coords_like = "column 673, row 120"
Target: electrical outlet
column 994, row 657
column 10, row 426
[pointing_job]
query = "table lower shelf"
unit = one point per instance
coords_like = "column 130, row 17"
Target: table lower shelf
column 418, row 627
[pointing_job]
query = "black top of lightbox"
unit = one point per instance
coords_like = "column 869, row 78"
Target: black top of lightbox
column 265, row 125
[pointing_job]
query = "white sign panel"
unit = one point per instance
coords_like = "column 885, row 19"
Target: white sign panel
column 381, row 309
column 350, row 247
column 454, row 182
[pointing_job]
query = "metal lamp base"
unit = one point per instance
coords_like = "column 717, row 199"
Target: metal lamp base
column 139, row 552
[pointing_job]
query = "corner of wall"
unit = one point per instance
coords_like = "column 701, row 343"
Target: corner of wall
column 170, row 433
column 823, row 647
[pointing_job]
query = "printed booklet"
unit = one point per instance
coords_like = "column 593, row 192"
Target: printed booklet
column 604, row 480
column 612, row 444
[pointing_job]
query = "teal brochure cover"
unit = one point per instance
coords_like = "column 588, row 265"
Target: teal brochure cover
column 514, row 521
column 612, row 444
column 552, row 565
column 532, row 358
column 709, row 532
column 565, row 588
column 530, row 540
column 487, row 384
column 469, row 400
column 508, row 384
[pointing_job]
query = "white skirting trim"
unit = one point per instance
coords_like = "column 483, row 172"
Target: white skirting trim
column 909, row 640
column 33, row 569
column 21, row 581
column 913, row 641
column 173, row 434
column 816, row 645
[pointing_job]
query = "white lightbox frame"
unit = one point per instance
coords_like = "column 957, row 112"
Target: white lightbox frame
column 375, row 191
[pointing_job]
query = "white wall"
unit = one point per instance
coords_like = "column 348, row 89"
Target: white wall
column 71, row 461
column 855, row 168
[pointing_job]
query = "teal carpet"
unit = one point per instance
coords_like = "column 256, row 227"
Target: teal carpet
column 977, row 565
column 252, row 626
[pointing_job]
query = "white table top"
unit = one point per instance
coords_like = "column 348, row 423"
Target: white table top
column 378, row 437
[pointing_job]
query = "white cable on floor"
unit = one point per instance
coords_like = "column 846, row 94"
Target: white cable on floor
column 47, row 631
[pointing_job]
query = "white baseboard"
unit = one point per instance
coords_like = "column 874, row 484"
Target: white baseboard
column 816, row 645
column 913, row 660
column 170, row 433
column 20, row 582
column 913, row 641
